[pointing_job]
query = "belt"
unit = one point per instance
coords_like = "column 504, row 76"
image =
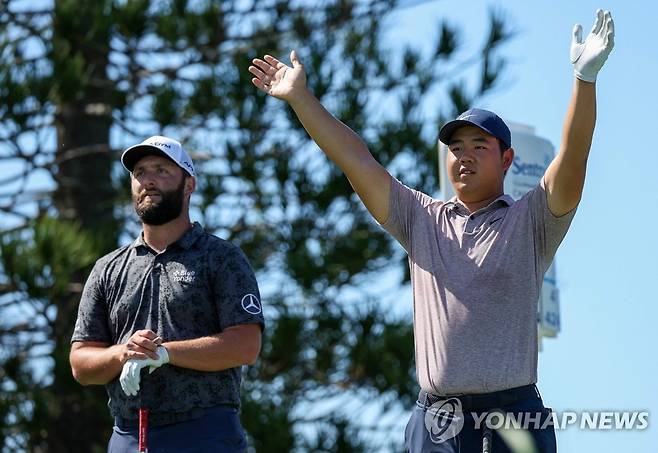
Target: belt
column 168, row 418
column 491, row 400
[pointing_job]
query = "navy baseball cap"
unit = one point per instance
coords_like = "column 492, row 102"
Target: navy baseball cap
column 484, row 119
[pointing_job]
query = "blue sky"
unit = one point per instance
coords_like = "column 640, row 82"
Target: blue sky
column 604, row 357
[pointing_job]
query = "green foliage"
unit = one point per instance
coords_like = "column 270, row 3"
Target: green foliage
column 180, row 68
column 41, row 260
column 39, row 264
column 166, row 106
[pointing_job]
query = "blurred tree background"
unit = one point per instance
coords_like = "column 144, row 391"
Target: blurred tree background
column 81, row 80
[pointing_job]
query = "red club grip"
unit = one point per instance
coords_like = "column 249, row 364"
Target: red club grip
column 143, row 429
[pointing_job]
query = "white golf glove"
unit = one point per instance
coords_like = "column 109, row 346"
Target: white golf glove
column 130, row 374
column 588, row 57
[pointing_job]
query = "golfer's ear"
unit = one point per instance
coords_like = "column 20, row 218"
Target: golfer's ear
column 190, row 185
column 508, row 158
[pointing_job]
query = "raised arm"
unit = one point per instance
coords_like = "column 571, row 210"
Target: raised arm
column 345, row 148
column 565, row 176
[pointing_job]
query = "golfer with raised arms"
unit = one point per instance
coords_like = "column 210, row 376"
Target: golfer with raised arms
column 477, row 260
column 178, row 302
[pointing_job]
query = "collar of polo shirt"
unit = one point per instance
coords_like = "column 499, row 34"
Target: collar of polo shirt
column 454, row 203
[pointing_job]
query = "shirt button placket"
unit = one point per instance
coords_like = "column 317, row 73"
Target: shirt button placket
column 155, row 292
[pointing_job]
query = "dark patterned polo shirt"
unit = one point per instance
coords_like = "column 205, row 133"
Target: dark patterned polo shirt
column 198, row 286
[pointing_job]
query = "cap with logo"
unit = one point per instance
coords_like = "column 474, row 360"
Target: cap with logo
column 158, row 146
column 484, row 119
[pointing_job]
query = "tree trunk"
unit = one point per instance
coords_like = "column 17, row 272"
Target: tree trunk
column 84, row 193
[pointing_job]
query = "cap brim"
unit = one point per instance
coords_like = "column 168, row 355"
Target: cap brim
column 132, row 155
column 449, row 128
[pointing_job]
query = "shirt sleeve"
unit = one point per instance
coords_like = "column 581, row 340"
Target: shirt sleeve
column 405, row 204
column 236, row 291
column 92, row 321
column 549, row 229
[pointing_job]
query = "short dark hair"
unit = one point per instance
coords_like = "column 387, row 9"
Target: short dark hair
column 503, row 146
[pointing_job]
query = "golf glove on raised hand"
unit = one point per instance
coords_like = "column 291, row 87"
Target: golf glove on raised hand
column 588, row 57
column 130, row 374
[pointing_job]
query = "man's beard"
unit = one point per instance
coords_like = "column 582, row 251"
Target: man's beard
column 167, row 209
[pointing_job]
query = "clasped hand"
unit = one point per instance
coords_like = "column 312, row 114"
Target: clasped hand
column 130, row 374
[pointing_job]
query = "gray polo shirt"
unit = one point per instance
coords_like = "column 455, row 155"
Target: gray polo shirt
column 476, row 280
column 198, row 286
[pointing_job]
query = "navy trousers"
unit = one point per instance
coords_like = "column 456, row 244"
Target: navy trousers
column 218, row 431
column 469, row 438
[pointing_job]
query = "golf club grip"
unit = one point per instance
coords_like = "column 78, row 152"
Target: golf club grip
column 486, row 440
column 143, row 429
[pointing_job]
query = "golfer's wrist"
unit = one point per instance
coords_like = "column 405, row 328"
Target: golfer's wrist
column 163, row 353
column 300, row 96
column 120, row 353
column 171, row 351
column 587, row 78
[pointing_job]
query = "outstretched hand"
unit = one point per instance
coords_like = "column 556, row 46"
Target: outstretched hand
column 589, row 56
column 278, row 79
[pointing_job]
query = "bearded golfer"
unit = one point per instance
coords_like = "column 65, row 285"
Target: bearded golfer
column 178, row 302
column 477, row 260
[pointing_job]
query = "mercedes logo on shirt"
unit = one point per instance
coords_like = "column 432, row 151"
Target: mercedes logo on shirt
column 251, row 304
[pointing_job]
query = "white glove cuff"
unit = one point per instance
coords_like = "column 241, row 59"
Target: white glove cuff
column 162, row 353
column 585, row 78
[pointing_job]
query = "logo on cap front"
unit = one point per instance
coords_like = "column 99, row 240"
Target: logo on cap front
column 166, row 145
